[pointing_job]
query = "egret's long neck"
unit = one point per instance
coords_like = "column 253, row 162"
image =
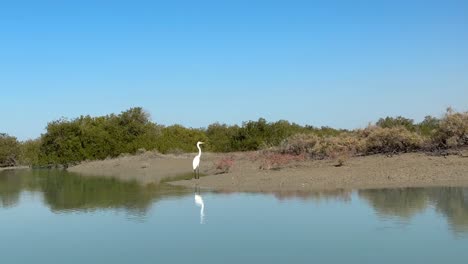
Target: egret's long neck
column 199, row 150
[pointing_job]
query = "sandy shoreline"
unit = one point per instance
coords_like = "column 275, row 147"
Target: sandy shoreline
column 407, row 170
column 377, row 171
column 146, row 168
column 14, row 168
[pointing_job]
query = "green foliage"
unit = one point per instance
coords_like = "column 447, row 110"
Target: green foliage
column 87, row 138
column 62, row 142
column 254, row 135
column 426, row 128
column 30, row 152
column 9, row 150
column 176, row 138
column 221, row 137
column 429, row 126
column 251, row 135
column 325, row 131
column 398, row 121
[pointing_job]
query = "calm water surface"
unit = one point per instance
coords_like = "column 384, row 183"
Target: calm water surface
column 56, row 217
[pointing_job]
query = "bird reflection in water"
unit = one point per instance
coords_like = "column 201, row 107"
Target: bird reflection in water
column 199, row 202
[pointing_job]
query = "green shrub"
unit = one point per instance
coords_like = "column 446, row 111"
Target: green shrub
column 399, row 121
column 90, row 138
column 178, row 139
column 428, row 126
column 9, row 150
column 221, row 137
column 30, row 152
column 255, row 135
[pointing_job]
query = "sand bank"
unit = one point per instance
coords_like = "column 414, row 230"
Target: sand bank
column 377, row 171
column 406, row 170
column 14, row 168
column 146, row 168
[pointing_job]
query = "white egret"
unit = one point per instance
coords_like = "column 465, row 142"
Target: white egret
column 196, row 161
column 199, row 202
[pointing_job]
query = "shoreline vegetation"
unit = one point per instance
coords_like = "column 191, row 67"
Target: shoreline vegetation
column 129, row 145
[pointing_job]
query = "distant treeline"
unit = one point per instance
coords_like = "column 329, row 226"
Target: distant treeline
column 93, row 138
column 68, row 142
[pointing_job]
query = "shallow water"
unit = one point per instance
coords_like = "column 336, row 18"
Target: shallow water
column 57, row 217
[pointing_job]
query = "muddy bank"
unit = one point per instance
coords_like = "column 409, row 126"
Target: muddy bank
column 378, row 171
column 149, row 167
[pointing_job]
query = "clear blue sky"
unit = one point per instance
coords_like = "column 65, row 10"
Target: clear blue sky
column 336, row 63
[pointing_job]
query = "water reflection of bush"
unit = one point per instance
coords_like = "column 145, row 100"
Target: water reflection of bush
column 404, row 203
column 338, row 194
column 63, row 191
column 10, row 187
column 452, row 202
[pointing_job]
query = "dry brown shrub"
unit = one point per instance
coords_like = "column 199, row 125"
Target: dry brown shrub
column 389, row 140
column 312, row 146
column 341, row 160
column 453, row 130
column 341, row 157
column 299, row 144
column 342, row 145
